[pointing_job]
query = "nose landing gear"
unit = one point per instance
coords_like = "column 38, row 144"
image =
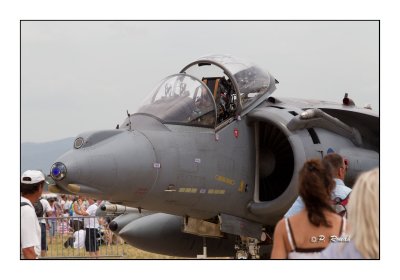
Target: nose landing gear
column 247, row 248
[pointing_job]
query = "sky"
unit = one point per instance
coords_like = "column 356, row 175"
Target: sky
column 79, row 76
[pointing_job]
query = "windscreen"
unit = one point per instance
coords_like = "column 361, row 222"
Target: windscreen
column 181, row 99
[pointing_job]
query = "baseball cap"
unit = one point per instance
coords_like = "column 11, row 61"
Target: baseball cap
column 32, row 177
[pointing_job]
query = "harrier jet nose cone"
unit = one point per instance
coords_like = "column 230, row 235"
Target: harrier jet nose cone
column 106, row 165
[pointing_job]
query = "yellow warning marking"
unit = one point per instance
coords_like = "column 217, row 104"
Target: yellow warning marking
column 225, row 180
column 188, row 190
column 216, row 191
column 242, row 186
column 195, row 190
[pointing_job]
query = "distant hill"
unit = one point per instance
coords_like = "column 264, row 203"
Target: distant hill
column 42, row 155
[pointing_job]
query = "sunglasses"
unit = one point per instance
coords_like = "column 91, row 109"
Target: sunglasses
column 346, row 163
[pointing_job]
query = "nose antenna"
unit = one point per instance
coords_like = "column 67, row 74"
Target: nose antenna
column 129, row 118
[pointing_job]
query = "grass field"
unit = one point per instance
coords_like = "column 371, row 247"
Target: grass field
column 56, row 250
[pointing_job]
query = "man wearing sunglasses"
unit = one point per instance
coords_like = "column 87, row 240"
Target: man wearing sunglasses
column 338, row 166
column 340, row 194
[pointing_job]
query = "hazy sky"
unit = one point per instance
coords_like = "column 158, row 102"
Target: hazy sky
column 78, row 76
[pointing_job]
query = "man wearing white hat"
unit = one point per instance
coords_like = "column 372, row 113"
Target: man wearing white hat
column 32, row 182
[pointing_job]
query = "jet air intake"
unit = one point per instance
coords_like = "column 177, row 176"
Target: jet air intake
column 279, row 154
column 276, row 162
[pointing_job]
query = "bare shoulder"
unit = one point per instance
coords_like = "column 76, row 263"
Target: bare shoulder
column 335, row 218
column 280, row 226
column 280, row 230
column 279, row 248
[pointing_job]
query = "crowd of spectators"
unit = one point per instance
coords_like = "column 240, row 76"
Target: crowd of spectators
column 73, row 219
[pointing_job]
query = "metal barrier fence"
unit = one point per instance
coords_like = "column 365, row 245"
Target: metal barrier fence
column 70, row 238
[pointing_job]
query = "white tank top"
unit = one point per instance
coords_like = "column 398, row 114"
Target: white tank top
column 306, row 253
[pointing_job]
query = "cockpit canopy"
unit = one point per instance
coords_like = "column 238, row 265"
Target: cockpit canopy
column 182, row 99
column 249, row 81
column 209, row 92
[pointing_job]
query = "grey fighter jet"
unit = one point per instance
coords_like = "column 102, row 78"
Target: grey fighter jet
column 210, row 161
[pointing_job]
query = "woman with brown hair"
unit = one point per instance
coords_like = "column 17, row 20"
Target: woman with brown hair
column 306, row 234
